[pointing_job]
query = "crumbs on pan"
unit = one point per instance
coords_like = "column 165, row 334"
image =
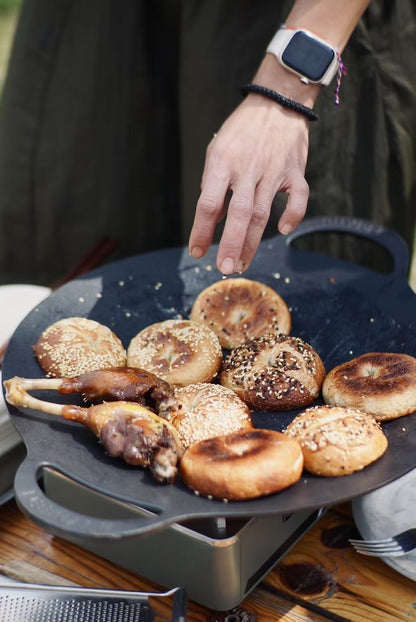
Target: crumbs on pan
column 158, row 286
column 276, row 275
column 208, row 268
column 287, row 280
column 371, row 320
column 197, row 270
column 98, row 295
column 127, row 314
column 121, row 283
column 81, row 299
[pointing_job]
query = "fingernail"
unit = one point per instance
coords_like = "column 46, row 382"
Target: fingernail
column 286, row 228
column 227, row 266
column 196, row 252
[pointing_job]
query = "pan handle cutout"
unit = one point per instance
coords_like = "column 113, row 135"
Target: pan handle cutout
column 65, row 522
column 362, row 242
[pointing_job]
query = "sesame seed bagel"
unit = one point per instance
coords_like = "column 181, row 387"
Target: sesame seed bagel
column 76, row 345
column 179, row 351
column 206, row 410
column 336, row 440
column 380, row 383
column 243, row 465
column 274, row 372
column 240, row 309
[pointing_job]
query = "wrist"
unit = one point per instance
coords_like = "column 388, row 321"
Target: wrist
column 271, row 74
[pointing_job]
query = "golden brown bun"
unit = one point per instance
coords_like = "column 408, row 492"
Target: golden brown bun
column 380, row 383
column 336, row 440
column 76, row 345
column 274, row 372
column 179, row 351
column 240, row 309
column 206, row 410
column 242, row 465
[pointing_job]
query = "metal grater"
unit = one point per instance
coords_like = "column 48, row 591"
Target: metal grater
column 39, row 603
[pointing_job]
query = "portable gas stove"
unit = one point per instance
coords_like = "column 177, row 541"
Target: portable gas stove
column 219, row 560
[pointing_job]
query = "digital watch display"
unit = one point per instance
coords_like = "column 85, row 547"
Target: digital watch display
column 303, row 53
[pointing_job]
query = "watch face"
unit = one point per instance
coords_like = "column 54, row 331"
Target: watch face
column 307, row 56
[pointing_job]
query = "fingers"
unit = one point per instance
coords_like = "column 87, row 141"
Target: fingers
column 239, row 219
column 256, row 154
column 298, row 195
column 247, row 216
column 263, row 199
column 209, row 210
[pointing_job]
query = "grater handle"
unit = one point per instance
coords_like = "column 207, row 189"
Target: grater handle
column 64, row 522
column 386, row 238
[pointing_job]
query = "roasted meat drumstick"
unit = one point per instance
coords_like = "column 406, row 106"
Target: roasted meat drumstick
column 127, row 430
column 129, row 384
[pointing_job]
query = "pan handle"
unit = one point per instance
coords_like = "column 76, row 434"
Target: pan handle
column 386, row 238
column 64, row 522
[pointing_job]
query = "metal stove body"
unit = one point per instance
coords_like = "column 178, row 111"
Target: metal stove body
column 217, row 560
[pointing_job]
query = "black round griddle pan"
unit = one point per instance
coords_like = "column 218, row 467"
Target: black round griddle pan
column 340, row 308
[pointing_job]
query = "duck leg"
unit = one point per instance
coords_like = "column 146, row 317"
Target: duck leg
column 127, row 430
column 121, row 383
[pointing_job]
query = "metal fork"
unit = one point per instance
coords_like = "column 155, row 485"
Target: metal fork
column 395, row 546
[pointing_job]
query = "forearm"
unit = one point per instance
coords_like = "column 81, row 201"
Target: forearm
column 331, row 20
column 262, row 148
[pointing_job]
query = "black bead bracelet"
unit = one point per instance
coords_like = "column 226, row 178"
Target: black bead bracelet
column 280, row 99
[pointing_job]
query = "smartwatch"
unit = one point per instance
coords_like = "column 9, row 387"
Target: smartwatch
column 305, row 54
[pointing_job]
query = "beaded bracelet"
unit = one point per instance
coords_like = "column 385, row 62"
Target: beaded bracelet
column 280, row 99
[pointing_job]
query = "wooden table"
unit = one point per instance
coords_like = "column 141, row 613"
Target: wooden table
column 320, row 579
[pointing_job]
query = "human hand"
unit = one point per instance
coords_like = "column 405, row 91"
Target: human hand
column 260, row 150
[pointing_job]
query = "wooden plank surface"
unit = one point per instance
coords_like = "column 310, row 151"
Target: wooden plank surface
column 320, row 579
column 325, row 571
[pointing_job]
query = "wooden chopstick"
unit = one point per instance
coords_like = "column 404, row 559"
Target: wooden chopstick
column 93, row 258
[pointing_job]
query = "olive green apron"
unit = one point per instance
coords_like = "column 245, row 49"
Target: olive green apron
column 108, row 108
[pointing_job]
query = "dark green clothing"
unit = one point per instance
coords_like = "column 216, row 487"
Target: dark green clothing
column 108, row 108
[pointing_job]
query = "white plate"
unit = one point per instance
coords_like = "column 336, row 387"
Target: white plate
column 387, row 511
column 16, row 301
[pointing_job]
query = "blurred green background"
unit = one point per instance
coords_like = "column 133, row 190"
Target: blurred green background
column 9, row 13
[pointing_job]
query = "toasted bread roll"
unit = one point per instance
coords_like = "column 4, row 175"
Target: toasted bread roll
column 179, row 351
column 76, row 345
column 243, row 465
column 205, row 410
column 274, row 372
column 380, row 383
column 240, row 309
column 336, row 440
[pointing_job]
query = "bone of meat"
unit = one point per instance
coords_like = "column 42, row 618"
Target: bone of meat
column 126, row 429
